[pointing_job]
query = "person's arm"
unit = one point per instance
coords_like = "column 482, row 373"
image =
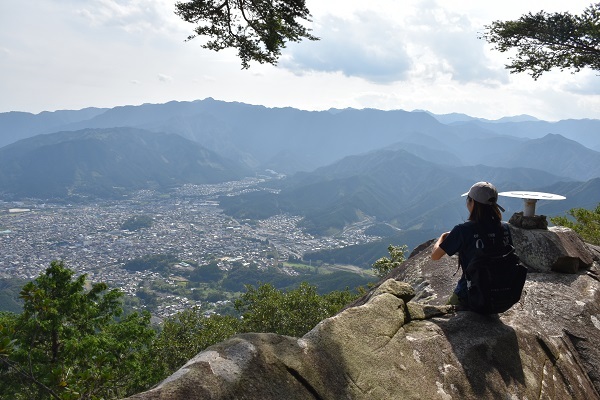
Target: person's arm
column 438, row 252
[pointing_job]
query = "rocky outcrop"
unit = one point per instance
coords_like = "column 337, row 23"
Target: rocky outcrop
column 401, row 342
column 556, row 249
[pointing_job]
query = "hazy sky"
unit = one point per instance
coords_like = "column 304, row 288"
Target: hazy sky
column 71, row 54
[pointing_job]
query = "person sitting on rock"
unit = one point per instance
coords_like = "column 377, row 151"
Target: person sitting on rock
column 485, row 218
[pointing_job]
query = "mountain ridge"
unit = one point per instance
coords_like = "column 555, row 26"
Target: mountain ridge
column 410, row 192
column 290, row 140
column 342, row 165
column 108, row 162
column 549, row 153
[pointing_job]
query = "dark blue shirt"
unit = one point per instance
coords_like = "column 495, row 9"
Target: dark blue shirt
column 466, row 238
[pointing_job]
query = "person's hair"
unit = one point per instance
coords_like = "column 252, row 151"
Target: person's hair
column 487, row 214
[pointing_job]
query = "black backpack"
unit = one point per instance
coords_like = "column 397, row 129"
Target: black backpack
column 495, row 278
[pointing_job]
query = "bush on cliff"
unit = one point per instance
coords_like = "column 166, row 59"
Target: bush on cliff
column 73, row 343
column 586, row 224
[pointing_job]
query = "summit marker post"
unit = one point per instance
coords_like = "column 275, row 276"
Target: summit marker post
column 530, row 199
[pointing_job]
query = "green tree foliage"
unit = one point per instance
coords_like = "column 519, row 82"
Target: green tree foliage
column 263, row 309
column 586, row 224
column 7, row 345
column 384, row 265
column 151, row 262
column 258, row 29
column 137, row 222
column 73, row 343
column 544, row 41
column 69, row 344
column 189, row 332
column 207, row 273
column 292, row 313
column 9, row 294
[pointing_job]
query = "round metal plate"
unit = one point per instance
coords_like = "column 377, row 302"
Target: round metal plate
column 532, row 195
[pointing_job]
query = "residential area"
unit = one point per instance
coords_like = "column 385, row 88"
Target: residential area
column 187, row 223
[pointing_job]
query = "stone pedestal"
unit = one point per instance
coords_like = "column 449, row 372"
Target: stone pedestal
column 525, row 222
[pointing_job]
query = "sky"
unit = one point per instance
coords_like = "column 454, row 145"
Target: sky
column 383, row 54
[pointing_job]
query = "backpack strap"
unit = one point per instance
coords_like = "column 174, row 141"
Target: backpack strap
column 488, row 244
column 457, row 267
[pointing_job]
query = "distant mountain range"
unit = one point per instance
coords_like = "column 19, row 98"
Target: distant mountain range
column 405, row 168
column 456, row 117
column 108, row 163
column 290, row 140
column 399, row 187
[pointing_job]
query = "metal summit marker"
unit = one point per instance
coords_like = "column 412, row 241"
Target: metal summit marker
column 530, row 198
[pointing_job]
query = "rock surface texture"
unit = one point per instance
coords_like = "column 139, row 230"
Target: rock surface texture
column 400, row 342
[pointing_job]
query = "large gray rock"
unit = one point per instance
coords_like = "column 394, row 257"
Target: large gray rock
column 400, row 342
column 556, row 249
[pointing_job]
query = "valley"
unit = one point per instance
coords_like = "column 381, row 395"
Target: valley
column 182, row 204
column 187, row 226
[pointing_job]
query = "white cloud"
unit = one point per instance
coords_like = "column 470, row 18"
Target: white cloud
column 366, row 46
column 413, row 54
column 587, row 83
column 133, row 16
column 165, row 78
column 447, row 42
column 209, row 78
column 427, row 43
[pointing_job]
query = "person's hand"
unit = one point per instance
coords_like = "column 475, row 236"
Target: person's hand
column 438, row 252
